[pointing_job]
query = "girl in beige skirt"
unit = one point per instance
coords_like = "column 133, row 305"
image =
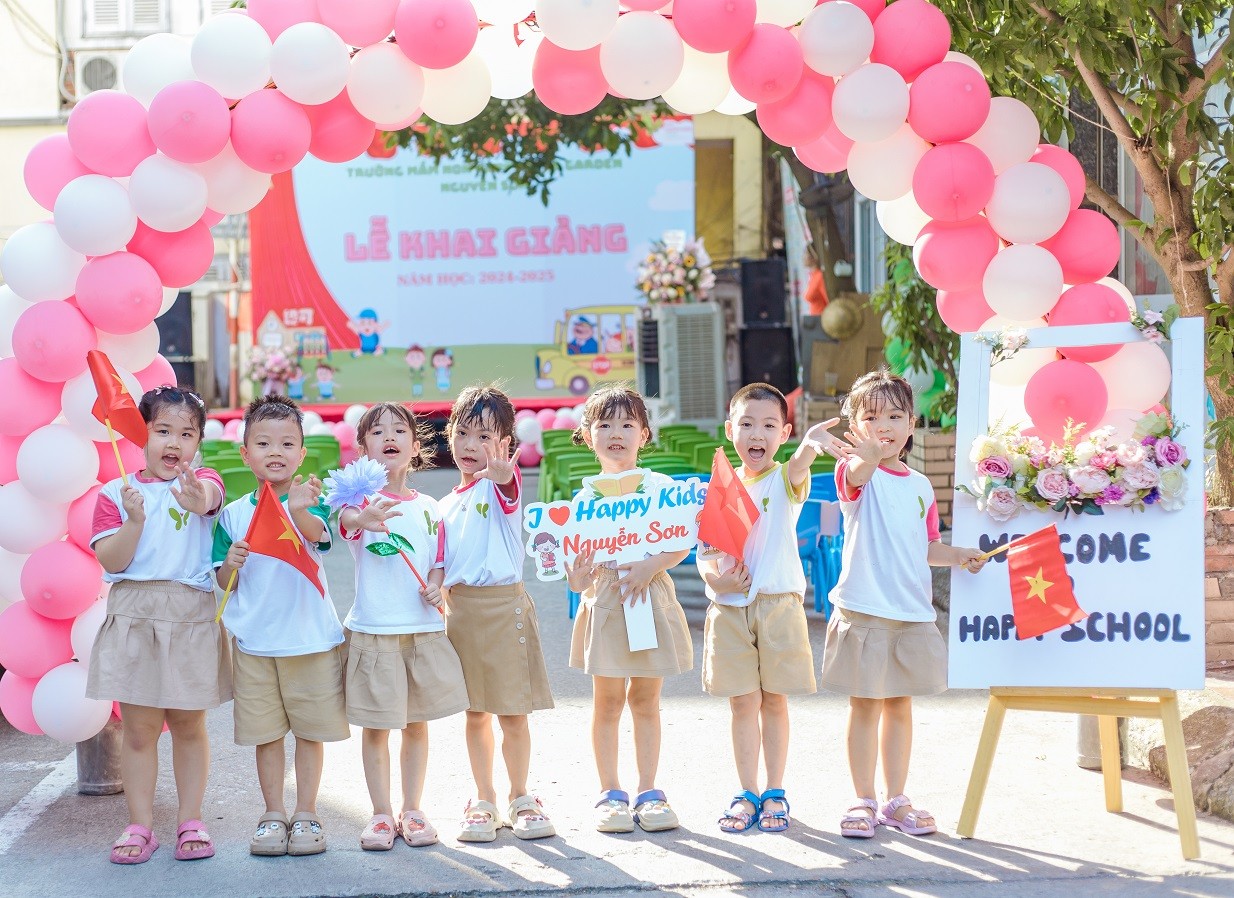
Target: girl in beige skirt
column 615, row 426
column 160, row 653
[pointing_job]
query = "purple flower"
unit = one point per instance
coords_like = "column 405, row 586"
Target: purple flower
column 994, row 466
column 1153, row 495
column 1111, row 495
column 1148, row 441
column 1169, row 452
column 1152, row 335
column 1152, row 316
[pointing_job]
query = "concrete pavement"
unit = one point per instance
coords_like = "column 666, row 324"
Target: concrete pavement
column 1043, row 831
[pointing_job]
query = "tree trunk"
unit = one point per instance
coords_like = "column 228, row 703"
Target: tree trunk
column 825, row 231
column 1220, row 489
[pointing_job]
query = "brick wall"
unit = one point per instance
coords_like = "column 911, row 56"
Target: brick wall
column 1219, row 586
column 933, row 454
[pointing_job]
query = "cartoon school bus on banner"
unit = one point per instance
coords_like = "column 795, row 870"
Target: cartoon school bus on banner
column 592, row 344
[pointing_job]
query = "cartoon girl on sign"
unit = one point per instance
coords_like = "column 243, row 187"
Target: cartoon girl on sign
column 325, row 380
column 368, row 328
column 546, row 546
column 415, row 360
column 443, row 361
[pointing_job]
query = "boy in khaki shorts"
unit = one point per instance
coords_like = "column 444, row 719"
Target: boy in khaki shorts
column 756, row 647
column 287, row 642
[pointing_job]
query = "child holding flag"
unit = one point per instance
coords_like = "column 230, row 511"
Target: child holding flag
column 287, row 654
column 756, row 647
column 160, row 652
column 882, row 643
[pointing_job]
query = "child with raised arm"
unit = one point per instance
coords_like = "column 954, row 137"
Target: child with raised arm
column 159, row 652
column 402, row 671
column 287, row 642
column 756, row 647
column 491, row 618
column 883, row 646
column 615, row 426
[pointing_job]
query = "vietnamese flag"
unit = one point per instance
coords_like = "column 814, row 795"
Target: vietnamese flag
column 272, row 533
column 1041, row 596
column 728, row 513
column 115, row 406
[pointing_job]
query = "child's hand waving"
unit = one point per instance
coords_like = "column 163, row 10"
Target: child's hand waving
column 373, row 516
column 303, row 493
column 500, row 467
column 864, row 444
column 582, row 573
column 134, row 504
column 824, row 441
column 193, row 495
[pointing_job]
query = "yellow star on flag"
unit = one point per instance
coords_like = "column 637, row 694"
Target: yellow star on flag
column 124, row 391
column 290, row 534
column 1037, row 585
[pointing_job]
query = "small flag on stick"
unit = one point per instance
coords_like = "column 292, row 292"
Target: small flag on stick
column 115, row 406
column 728, row 513
column 1041, row 595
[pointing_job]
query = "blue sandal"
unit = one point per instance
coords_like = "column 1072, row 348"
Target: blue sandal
column 746, row 819
column 773, row 821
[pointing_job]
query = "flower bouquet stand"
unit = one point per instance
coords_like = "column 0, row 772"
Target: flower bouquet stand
column 1106, row 590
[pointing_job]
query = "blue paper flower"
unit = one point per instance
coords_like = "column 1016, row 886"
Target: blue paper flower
column 354, row 483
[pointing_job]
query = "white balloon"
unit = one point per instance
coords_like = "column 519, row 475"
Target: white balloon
column 85, row 628
column 231, row 186
column 1016, row 370
column 78, row 398
column 734, row 103
column 957, row 56
column 354, row 413
column 509, row 63
column 167, row 195
column 901, row 218
column 643, row 55
column 1022, row 282
column 883, row 170
column 11, row 307
column 311, row 419
column 1136, row 377
column 213, row 429
column 502, row 12
column 320, row 429
column 231, row 53
column 94, row 215
column 577, row 24
column 870, row 103
column 38, row 265
column 384, row 85
column 170, row 295
column 1010, row 134
column 1030, row 203
column 27, row 522
column 240, row 433
column 528, row 430
column 457, row 94
column 836, row 38
column 56, row 464
column 783, row 12
column 61, row 708
column 310, row 63
column 1121, row 289
column 11, row 564
column 154, row 62
column 132, row 351
column 703, row 83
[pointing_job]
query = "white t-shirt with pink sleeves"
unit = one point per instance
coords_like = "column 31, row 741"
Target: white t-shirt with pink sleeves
column 388, row 596
column 888, row 526
column 484, row 534
column 174, row 543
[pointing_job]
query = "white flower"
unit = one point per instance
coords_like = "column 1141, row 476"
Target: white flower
column 1084, row 452
column 1173, row 489
column 985, row 446
column 1152, row 316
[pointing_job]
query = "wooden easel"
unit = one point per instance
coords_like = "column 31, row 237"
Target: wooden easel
column 1108, row 705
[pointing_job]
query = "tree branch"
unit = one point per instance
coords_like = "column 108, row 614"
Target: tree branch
column 1199, row 85
column 1106, row 201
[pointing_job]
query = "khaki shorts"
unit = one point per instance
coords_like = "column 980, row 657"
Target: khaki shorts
column 765, row 645
column 394, row 679
column 300, row 694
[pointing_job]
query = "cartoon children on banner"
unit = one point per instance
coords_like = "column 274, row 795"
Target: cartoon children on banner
column 368, row 328
column 618, row 516
column 415, row 359
column 443, row 361
column 325, row 380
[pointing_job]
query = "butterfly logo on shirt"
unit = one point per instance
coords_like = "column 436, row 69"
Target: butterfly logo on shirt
column 397, row 541
column 180, row 517
column 482, row 509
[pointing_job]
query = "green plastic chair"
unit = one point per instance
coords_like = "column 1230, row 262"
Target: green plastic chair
column 212, row 446
column 553, row 439
column 704, row 454
column 311, row 464
column 229, row 459
column 328, row 450
column 671, row 466
column 237, row 482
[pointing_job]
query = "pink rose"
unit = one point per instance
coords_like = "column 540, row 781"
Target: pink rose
column 994, row 466
column 1169, row 453
column 1002, row 504
column 1052, row 484
column 1143, row 476
column 1129, row 454
column 1090, row 479
column 1152, row 335
column 1055, row 456
column 1104, row 460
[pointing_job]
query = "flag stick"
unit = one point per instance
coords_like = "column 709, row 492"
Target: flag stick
column 403, row 554
column 997, row 550
column 231, row 582
column 115, row 447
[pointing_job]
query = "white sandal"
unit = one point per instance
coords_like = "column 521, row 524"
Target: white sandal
column 535, row 825
column 481, row 820
column 614, row 816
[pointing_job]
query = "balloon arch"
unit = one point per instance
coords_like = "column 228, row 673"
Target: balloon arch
column 139, row 178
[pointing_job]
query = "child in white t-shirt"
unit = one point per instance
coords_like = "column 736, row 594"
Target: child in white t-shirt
column 402, row 671
column 882, row 643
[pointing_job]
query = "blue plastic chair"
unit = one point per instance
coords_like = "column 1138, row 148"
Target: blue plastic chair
column 826, row 569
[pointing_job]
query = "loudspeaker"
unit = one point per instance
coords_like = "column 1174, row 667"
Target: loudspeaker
column 763, row 299
column 767, row 355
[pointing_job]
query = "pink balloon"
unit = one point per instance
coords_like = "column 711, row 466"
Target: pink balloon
column 60, row 581
column 190, row 121
column 528, row 455
column 269, row 132
column 767, row 66
column 563, row 422
column 712, row 27
column 910, row 36
column 803, row 116
column 276, row 16
column 210, row 218
column 1089, row 304
column 158, row 373
column 30, row 644
column 546, row 417
column 523, row 414
column 436, row 34
column 26, row 403
column 358, row 24
column 51, row 339
column 81, row 517
column 340, row 134
column 827, row 154
column 8, row 451
column 119, row 293
column 1064, row 390
column 949, row 101
column 953, row 181
column 1066, row 165
column 954, row 255
column 1087, row 246
column 231, row 429
column 133, row 456
column 345, row 434
column 568, row 81
column 108, row 133
column 16, row 702
column 180, row 258
column 963, row 310
column 871, row 8
column 50, row 165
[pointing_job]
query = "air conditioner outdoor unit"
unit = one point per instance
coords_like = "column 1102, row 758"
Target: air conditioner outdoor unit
column 681, row 362
column 97, row 70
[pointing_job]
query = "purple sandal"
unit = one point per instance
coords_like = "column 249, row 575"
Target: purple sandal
column 134, row 836
column 909, row 824
column 192, row 831
column 862, row 811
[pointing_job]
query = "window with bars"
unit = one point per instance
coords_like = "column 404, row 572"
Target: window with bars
column 871, row 269
column 124, row 17
column 212, row 8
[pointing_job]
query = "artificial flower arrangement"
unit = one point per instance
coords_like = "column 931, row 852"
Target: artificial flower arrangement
column 270, row 364
column 1084, row 475
column 671, row 275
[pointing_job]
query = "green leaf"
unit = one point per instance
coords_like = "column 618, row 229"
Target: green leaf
column 399, row 540
column 382, row 549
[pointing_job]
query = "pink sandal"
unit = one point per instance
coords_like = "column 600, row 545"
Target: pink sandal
column 867, row 815
column 193, row 831
column 134, row 836
column 910, row 823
